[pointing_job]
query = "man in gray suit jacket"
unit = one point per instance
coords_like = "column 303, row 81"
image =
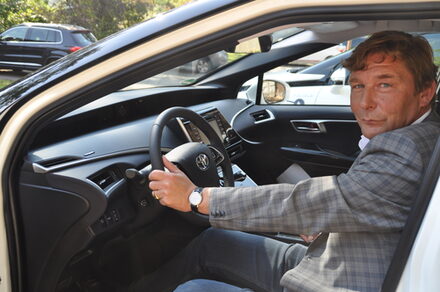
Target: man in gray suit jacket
column 357, row 217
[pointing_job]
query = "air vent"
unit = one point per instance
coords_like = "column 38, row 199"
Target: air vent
column 262, row 116
column 104, row 179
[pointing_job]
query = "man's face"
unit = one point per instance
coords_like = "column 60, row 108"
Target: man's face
column 383, row 96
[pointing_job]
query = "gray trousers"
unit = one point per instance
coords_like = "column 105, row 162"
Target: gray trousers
column 237, row 258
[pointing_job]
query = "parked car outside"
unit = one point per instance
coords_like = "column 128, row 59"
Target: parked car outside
column 314, row 85
column 29, row 46
column 206, row 64
column 325, row 83
column 76, row 215
column 320, row 56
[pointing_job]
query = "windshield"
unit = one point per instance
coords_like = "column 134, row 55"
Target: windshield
column 188, row 73
column 193, row 71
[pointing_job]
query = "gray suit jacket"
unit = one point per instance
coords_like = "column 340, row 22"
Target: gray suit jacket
column 361, row 213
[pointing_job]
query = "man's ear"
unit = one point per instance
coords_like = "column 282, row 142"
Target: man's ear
column 427, row 94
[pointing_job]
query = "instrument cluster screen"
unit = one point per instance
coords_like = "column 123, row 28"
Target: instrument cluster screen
column 215, row 119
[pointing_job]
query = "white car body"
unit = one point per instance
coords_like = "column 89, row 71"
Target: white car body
column 422, row 269
column 302, row 95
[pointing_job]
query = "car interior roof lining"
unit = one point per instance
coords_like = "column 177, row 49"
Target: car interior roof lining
column 316, row 32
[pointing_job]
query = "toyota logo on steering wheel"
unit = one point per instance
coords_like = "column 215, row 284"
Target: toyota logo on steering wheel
column 202, row 161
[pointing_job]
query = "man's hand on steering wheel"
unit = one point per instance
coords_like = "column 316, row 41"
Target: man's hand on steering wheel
column 171, row 188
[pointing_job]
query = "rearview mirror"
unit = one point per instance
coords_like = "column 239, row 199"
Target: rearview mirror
column 273, row 91
column 255, row 45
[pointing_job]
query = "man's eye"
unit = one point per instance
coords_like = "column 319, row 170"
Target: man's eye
column 384, row 85
column 357, row 86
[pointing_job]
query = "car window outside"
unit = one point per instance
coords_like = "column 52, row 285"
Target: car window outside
column 54, row 36
column 14, row 34
column 196, row 70
column 44, row 35
column 188, row 73
column 434, row 40
column 83, row 38
column 324, row 83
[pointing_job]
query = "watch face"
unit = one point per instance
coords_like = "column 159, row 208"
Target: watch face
column 195, row 198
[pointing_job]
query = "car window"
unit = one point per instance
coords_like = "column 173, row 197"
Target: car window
column 54, row 36
column 43, row 35
column 188, row 73
column 83, row 38
column 317, row 79
column 434, row 40
column 14, row 34
column 200, row 68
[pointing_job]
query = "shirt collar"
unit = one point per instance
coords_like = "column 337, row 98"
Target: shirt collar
column 419, row 120
column 364, row 140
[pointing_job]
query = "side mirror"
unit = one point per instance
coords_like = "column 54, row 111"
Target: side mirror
column 338, row 76
column 273, row 91
column 260, row 44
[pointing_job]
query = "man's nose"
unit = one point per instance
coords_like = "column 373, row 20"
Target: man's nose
column 368, row 100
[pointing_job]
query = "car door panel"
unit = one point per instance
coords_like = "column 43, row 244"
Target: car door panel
column 322, row 139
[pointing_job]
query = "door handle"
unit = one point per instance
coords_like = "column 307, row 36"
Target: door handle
column 308, row 126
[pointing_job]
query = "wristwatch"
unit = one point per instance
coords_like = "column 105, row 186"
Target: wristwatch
column 195, row 198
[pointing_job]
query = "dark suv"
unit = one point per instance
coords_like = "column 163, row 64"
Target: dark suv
column 29, row 46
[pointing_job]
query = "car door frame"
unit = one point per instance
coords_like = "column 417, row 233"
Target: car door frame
column 46, row 103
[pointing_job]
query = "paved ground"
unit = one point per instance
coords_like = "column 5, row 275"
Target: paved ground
column 11, row 75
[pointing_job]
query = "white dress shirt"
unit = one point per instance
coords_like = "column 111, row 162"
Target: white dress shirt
column 364, row 140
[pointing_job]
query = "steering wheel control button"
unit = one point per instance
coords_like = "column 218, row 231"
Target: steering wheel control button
column 102, row 222
column 195, row 198
column 115, row 215
column 216, row 155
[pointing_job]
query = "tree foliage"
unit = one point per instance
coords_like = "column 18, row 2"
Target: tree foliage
column 160, row 6
column 13, row 12
column 102, row 17
column 105, row 17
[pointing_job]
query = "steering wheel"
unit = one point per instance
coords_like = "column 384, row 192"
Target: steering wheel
column 197, row 160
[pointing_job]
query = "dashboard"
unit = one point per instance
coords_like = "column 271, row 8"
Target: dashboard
column 93, row 165
column 72, row 180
